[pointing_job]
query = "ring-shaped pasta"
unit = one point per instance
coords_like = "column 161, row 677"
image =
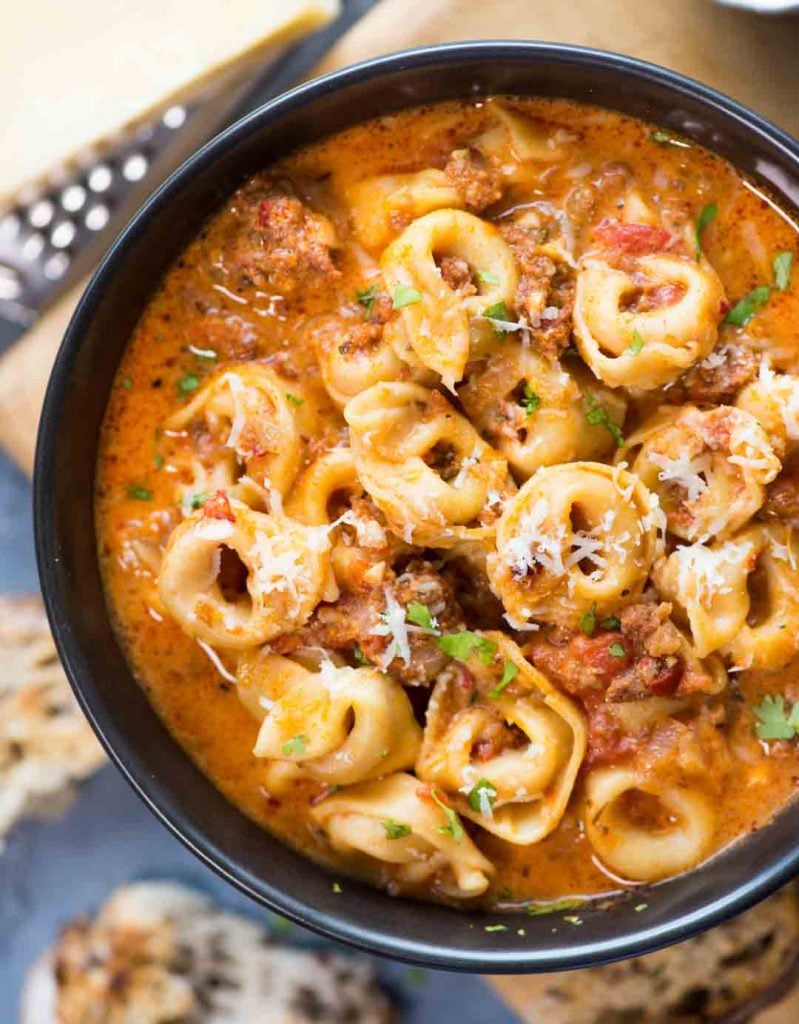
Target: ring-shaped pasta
column 247, row 408
column 330, row 492
column 424, row 465
column 709, row 469
column 437, row 322
column 379, row 203
column 645, row 349
column 519, row 791
column 773, row 399
column 681, row 831
column 576, row 536
column 343, row 725
column 287, row 566
column 514, row 142
column 396, row 821
column 533, row 411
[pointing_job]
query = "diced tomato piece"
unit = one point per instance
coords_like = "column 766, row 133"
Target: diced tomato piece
column 668, row 681
column 632, row 239
column 264, row 212
column 218, row 507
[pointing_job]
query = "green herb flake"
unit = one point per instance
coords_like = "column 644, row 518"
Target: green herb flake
column 530, row 400
column 188, row 384
column 294, row 400
column 636, row 345
column 395, row 829
column 743, row 311
column 495, row 928
column 295, row 746
column 482, row 797
column 664, row 138
column 126, row 383
column 706, row 215
column 196, row 501
column 617, row 650
column 783, row 265
column 497, row 315
column 555, row 907
column 486, row 277
column 466, row 643
column 597, row 416
column 509, row 673
column 158, row 461
column 367, row 297
column 611, row 622
column 588, row 620
column 337, row 888
column 420, row 615
column 775, row 722
column 139, row 493
column 453, row 827
column 405, row 296
column 359, row 656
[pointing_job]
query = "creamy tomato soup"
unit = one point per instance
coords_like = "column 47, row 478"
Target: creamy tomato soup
column 446, row 502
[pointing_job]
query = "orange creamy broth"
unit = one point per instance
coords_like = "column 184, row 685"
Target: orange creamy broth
column 202, row 305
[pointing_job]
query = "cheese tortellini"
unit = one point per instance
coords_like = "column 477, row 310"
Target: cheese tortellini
column 646, row 347
column 576, row 536
column 436, row 324
column 247, row 410
column 534, row 412
column 234, row 578
column 506, row 756
column 739, row 596
column 399, row 822
column 773, row 400
column 645, row 826
column 425, row 466
column 709, row 468
column 343, row 725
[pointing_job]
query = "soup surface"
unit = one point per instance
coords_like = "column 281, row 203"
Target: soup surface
column 446, row 502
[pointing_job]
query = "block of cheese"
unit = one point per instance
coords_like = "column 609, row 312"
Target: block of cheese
column 73, row 74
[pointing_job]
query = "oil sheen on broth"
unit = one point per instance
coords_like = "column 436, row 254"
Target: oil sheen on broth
column 446, row 499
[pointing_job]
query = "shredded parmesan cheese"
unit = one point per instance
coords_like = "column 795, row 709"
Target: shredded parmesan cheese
column 393, row 625
column 685, row 471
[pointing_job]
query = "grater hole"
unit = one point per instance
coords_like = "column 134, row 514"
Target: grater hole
column 10, row 287
column 63, row 234
column 100, row 178
column 41, row 213
column 33, row 247
column 56, row 266
column 135, row 167
column 97, row 217
column 9, row 227
column 73, row 198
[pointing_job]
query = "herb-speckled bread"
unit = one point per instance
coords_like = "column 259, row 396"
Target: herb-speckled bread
column 159, row 953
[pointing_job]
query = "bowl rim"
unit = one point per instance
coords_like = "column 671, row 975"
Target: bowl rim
column 765, row 878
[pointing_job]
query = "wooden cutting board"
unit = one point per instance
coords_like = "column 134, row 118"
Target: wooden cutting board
column 750, row 57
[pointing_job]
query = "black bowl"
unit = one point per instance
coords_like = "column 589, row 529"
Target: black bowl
column 142, row 748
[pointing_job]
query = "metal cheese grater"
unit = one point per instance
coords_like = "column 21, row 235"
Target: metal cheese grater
column 56, row 231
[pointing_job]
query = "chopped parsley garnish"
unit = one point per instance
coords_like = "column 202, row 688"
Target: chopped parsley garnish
column 466, row 643
column 367, row 297
column 395, row 829
column 636, row 345
column 664, row 138
column 743, row 311
column 588, row 620
column 509, row 673
column 126, row 383
column 453, row 827
column 359, row 656
column 555, row 907
column 783, row 264
column 775, row 721
column 420, row 615
column 294, row 400
column 486, row 277
column 611, row 622
column 497, row 315
column 495, row 928
column 482, row 797
column 617, row 650
column 405, row 296
column 295, row 746
column 707, row 214
column 598, row 416
column 158, row 461
column 188, row 384
column 139, row 493
column 530, row 400
column 195, row 501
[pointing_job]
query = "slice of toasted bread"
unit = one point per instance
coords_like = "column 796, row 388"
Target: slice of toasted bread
column 46, row 745
column 158, row 952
